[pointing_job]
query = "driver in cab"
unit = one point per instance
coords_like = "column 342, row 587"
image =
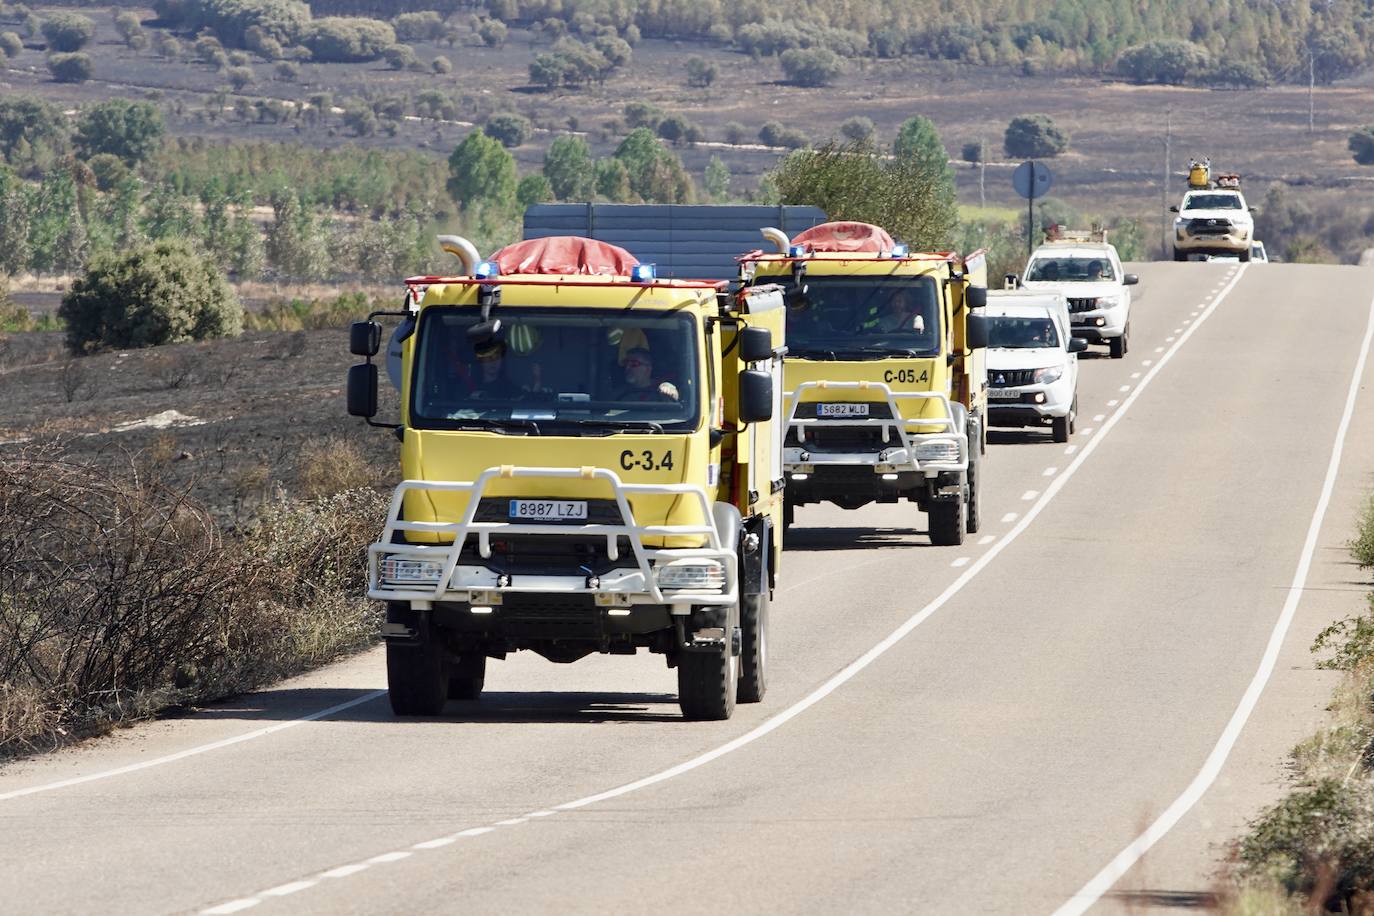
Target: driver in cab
column 640, row 384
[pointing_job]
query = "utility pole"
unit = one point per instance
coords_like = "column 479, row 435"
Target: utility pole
column 982, row 173
column 1164, row 185
column 1311, row 87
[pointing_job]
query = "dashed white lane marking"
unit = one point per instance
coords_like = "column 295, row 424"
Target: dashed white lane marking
column 1147, row 363
column 1170, row 339
column 1089, row 430
column 282, row 890
column 1135, row 375
column 1186, row 321
column 435, row 844
column 962, row 561
column 1124, row 388
column 1050, row 472
column 193, row 751
column 855, row 667
column 1177, row 331
column 1091, row 892
column 1098, row 418
column 1009, row 518
column 1159, row 349
column 343, row 871
column 1069, row 450
column 987, row 539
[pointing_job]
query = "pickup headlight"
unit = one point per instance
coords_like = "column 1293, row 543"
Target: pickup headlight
column 402, row 569
column 697, row 575
column 937, row 451
column 1048, row 375
column 1108, row 302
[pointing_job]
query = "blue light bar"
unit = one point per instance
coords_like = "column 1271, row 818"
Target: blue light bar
column 899, row 251
column 796, row 251
column 486, row 270
column 642, row 273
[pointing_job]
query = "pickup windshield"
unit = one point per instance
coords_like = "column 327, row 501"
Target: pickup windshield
column 556, row 371
column 865, row 318
column 1021, row 333
column 1212, row 202
column 1069, row 270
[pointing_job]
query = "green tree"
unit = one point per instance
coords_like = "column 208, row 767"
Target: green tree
column 33, row 134
column 613, row 180
column 343, row 40
column 68, row 32
column 811, row 66
column 57, row 230
column 701, row 73
column 169, row 215
column 11, row 44
column 1361, row 145
column 15, row 206
column 1171, row 61
column 297, row 245
column 70, row 68
column 127, row 24
column 481, row 172
column 161, row 293
column 917, row 137
column 716, row 180
column 857, row 128
column 854, row 180
column 511, row 129
column 1034, row 136
column 568, row 167
column 132, row 131
column 533, row 189
column 493, row 33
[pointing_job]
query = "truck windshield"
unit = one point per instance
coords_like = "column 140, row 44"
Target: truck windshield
column 548, row 369
column 1212, row 202
column 865, row 317
column 1068, row 270
column 1021, row 333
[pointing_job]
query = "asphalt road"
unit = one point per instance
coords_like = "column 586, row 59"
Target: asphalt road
column 947, row 729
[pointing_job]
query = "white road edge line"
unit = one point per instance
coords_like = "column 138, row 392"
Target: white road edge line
column 851, row 670
column 1091, row 892
column 192, row 751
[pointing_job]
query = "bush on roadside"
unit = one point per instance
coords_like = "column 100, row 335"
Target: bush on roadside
column 70, row 68
column 160, row 293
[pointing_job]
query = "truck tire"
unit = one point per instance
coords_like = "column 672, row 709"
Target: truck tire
column 415, row 678
column 753, row 655
column 1117, row 346
column 1060, row 428
column 947, row 519
column 972, row 517
column 1180, row 255
column 707, row 680
column 467, row 676
column 789, row 512
column 1245, row 255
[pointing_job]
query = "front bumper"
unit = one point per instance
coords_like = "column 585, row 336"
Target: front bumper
column 1099, row 325
column 633, row 581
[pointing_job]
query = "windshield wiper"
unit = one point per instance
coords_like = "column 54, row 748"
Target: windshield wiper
column 621, row 425
column 809, row 353
column 500, row 423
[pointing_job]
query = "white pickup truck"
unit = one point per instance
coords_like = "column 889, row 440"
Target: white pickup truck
column 1213, row 221
column 1089, row 275
column 1032, row 361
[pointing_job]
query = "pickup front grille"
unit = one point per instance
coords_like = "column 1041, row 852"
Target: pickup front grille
column 1010, row 378
column 1082, row 305
column 1212, row 226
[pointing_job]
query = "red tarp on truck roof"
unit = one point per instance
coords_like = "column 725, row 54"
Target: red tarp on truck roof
column 565, row 255
column 844, row 236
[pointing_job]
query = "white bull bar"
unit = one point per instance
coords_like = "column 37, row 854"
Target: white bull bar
column 897, row 458
column 608, row 589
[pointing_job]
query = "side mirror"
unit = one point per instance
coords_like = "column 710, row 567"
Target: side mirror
column 1173, row 209
column 362, row 390
column 1254, row 211
column 755, row 344
column 1130, row 280
column 976, row 297
column 364, row 338
column 976, row 336
column 755, row 396
column 1077, row 345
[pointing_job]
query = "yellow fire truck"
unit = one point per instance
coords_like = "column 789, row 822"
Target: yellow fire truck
column 592, row 463
column 885, row 373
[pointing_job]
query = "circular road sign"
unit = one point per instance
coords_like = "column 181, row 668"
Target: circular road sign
column 1031, row 180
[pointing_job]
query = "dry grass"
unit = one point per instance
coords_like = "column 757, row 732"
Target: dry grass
column 333, row 464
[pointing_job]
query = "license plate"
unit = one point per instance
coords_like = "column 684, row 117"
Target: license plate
column 556, row 510
column 1003, row 393
column 842, row 410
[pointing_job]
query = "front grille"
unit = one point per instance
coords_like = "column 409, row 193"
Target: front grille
column 879, row 410
column 550, row 616
column 1082, row 305
column 1209, row 226
column 845, row 439
column 1010, row 378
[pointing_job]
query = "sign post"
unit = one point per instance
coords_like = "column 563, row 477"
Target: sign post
column 1031, row 180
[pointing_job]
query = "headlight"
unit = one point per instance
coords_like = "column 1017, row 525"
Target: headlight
column 1047, row 375
column 698, row 575
column 400, row 569
column 937, row 451
column 1108, row 302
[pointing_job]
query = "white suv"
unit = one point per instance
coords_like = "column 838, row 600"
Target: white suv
column 1032, row 362
column 1213, row 221
column 1089, row 275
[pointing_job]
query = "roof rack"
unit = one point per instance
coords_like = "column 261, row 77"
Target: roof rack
column 1059, row 234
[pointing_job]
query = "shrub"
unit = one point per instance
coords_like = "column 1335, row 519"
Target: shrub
column 231, row 20
column 735, row 133
column 857, row 128
column 493, row 32
column 132, row 131
column 441, row 65
column 70, row 68
column 1361, row 145
column 511, row 129
column 340, row 39
column 770, row 134
column 700, row 73
column 240, row 77
column 11, row 44
column 160, row 293
column 287, row 71
column 423, row 26
column 811, row 66
column 974, row 152
column 68, row 31
column 1034, row 137
column 400, row 57
column 1168, row 60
